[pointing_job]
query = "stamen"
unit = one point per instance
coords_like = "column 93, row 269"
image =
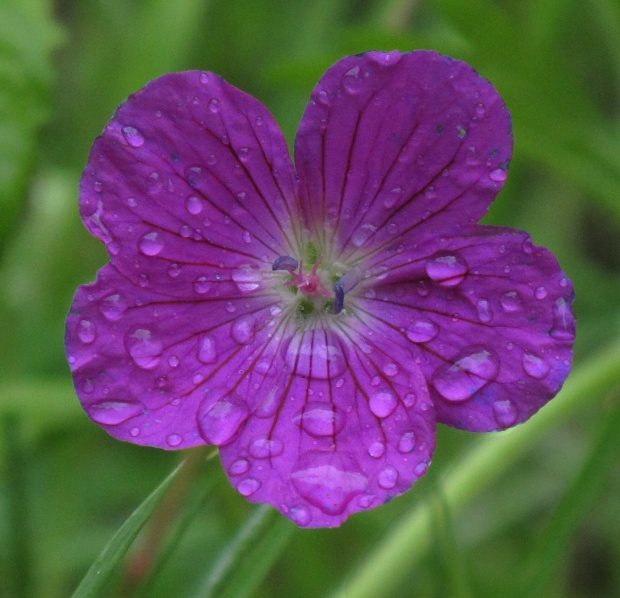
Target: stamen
column 285, row 262
column 339, row 299
column 346, row 283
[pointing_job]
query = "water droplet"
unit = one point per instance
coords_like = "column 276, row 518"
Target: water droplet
column 300, row 515
column 328, row 480
column 407, row 442
column 317, row 356
column 219, row 422
column 540, row 293
column 193, row 205
column 244, row 329
column 202, row 285
column 376, row 449
column 248, row 486
column 383, row 403
column 420, row 469
column 390, row 369
column 247, row 237
column 239, row 467
column 173, row 361
column 112, row 413
column 88, row 386
column 362, row 233
column 174, row 270
column 214, row 106
column 505, row 413
column 87, row 332
column 409, row 400
column 498, row 175
column 134, row 432
column 563, row 321
column 131, row 202
column 133, row 136
column 480, row 110
column 246, row 278
column 320, row 419
column 422, row 331
column 472, row 369
column 535, row 366
column 205, row 77
column 387, row 478
column 206, row 349
column 174, row 439
column 145, row 350
column 113, row 307
column 390, row 199
column 352, row 81
column 264, row 448
column 485, row 314
column 230, row 308
column 150, row 244
column 511, row 301
column 447, row 269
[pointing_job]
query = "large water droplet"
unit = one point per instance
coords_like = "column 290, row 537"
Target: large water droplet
column 448, row 269
column 328, row 480
column 193, row 205
column 320, row 419
column 422, row 331
column 376, row 449
column 246, row 278
column 248, row 486
column 87, row 332
column 472, row 369
column 387, row 478
column 133, row 136
column 505, row 413
column 498, row 175
column 174, row 440
column 243, row 329
column 407, row 442
column 264, row 447
column 112, row 413
column 113, row 307
column 144, row 349
column 535, row 366
column 383, row 403
column 150, row 244
column 219, row 421
column 239, row 467
column 206, row 349
column 316, row 355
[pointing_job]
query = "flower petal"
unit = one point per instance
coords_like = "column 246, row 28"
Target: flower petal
column 190, row 180
column 488, row 316
column 159, row 371
column 337, row 431
column 393, row 142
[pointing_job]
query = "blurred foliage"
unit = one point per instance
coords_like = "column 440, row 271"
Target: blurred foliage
column 550, row 525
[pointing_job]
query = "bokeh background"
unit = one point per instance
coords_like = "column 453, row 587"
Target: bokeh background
column 541, row 518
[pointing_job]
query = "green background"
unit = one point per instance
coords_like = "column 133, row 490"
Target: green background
column 531, row 512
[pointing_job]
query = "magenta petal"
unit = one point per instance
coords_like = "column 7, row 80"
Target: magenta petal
column 190, row 180
column 488, row 316
column 338, row 430
column 159, row 371
column 393, row 142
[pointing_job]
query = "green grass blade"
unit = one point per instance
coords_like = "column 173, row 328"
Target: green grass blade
column 104, row 566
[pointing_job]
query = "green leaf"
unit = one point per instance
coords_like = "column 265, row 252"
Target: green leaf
column 104, row 566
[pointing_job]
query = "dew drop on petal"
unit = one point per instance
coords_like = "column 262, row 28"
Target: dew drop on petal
column 144, row 349
column 300, row 515
column 150, row 244
column 214, row 106
column 498, row 175
column 112, row 413
column 207, row 352
column 173, row 361
column 563, row 321
column 422, row 331
column 328, row 480
column 87, row 332
column 246, row 278
column 387, row 478
column 407, row 442
column 472, row 369
column 410, row 399
column 202, row 285
column 540, row 293
column 448, row 269
column 264, row 448
column 88, row 386
column 134, row 432
column 390, row 369
column 383, row 403
column 511, row 301
column 535, row 366
column 505, row 413
column 243, row 329
column 376, row 449
column 485, row 314
column 353, row 81
column 239, row 467
column 133, row 136
column 193, row 205
column 248, row 486
column 320, row 419
column 113, row 307
column 219, row 422
column 174, row 439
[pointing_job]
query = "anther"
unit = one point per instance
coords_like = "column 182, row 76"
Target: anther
column 285, row 262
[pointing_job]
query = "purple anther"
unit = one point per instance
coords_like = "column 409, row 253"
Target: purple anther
column 339, row 300
column 285, row 262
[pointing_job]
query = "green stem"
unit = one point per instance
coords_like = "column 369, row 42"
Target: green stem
column 491, row 456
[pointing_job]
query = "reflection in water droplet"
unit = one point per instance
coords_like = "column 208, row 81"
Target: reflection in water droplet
column 218, row 422
column 87, row 332
column 112, row 413
column 243, row 329
column 150, row 244
column 320, row 419
column 422, row 331
column 448, row 269
column 316, row 354
column 328, row 480
column 472, row 369
column 246, row 278
column 144, row 349
column 383, row 403
column 534, row 366
column 505, row 413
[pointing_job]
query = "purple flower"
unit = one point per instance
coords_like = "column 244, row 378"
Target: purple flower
column 317, row 323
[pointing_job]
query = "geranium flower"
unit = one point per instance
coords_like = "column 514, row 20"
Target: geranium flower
column 317, row 323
